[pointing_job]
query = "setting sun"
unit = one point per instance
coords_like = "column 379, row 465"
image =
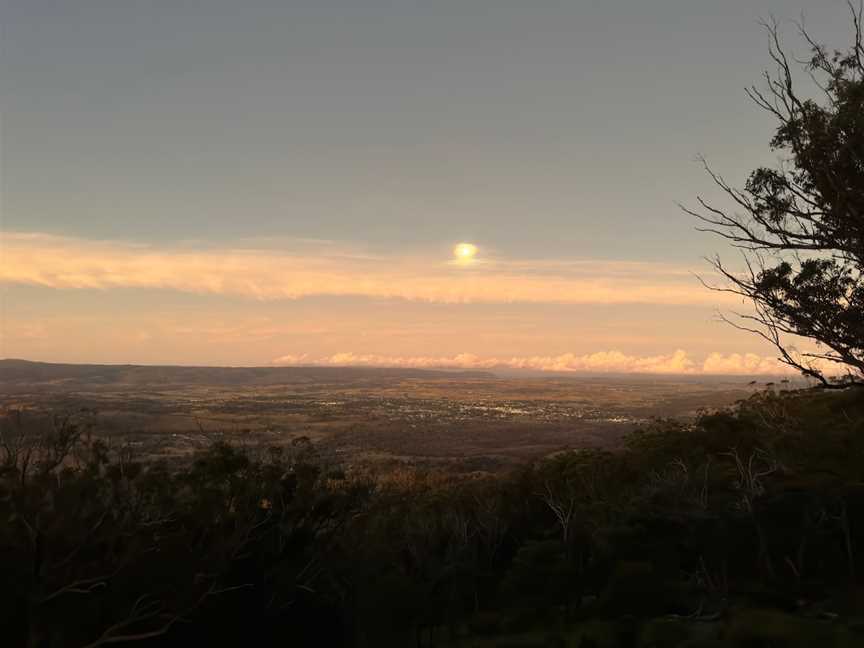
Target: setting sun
column 465, row 252
column 382, row 323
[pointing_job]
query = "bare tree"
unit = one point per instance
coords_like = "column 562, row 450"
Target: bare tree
column 800, row 227
column 562, row 499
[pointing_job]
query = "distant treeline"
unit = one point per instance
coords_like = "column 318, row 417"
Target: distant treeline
column 744, row 528
column 25, row 371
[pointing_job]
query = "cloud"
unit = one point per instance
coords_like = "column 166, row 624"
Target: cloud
column 293, row 360
column 324, row 270
column 753, row 364
column 742, row 363
column 675, row 363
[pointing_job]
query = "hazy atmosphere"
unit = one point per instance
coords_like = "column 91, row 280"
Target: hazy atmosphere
column 285, row 182
column 432, row 323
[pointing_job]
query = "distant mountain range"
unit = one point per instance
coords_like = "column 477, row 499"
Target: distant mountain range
column 25, row 371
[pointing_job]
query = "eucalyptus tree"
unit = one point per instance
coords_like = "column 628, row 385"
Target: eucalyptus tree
column 800, row 224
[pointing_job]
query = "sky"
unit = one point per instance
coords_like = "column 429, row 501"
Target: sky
column 283, row 182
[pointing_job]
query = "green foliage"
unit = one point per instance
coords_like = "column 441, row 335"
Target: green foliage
column 800, row 226
column 757, row 627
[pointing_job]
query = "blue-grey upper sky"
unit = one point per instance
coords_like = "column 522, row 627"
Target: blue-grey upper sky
column 551, row 126
column 550, row 131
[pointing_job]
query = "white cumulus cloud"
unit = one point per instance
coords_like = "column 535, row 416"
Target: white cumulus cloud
column 677, row 362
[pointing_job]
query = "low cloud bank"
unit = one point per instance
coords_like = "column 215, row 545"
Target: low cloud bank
column 748, row 364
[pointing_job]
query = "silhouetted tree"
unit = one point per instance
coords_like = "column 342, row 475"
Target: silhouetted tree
column 800, row 226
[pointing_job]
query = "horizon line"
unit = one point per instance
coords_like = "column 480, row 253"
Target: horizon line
column 497, row 371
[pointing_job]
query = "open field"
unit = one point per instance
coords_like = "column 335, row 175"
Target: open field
column 464, row 421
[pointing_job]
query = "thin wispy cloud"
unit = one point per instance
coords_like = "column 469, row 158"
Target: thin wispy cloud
column 66, row 263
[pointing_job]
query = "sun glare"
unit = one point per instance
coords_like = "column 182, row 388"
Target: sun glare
column 465, row 252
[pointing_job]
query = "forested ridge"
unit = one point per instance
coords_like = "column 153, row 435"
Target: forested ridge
column 742, row 528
